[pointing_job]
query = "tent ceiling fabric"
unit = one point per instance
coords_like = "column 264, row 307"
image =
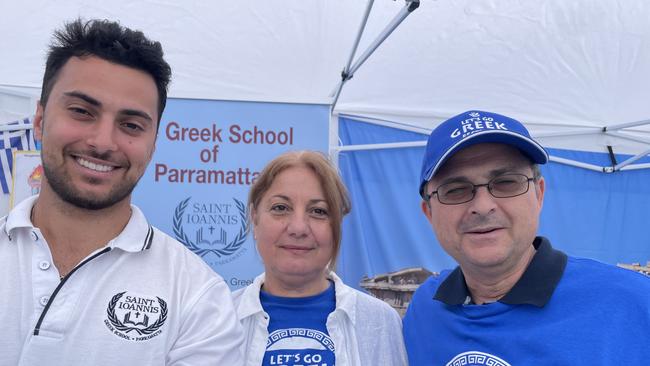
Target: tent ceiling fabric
column 559, row 66
column 281, row 51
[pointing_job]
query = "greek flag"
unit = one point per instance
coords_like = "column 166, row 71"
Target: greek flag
column 17, row 135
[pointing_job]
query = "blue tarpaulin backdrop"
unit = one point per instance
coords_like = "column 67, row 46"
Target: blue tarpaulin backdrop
column 585, row 213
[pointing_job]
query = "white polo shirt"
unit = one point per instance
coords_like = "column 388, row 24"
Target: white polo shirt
column 143, row 299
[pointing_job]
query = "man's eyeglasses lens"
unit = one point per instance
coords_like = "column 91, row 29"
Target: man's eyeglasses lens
column 504, row 186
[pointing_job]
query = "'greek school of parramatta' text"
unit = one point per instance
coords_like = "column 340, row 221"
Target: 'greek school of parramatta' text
column 209, row 141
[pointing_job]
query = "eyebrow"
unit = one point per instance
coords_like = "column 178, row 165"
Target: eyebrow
column 288, row 199
column 96, row 103
column 136, row 113
column 506, row 170
column 85, row 97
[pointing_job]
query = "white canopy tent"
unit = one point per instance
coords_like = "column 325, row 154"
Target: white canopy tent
column 576, row 73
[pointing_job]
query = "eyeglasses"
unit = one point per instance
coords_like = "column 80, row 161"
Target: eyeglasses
column 503, row 186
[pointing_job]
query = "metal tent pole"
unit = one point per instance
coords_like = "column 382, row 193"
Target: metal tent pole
column 348, row 72
column 333, row 122
column 627, row 125
column 345, row 74
column 631, row 160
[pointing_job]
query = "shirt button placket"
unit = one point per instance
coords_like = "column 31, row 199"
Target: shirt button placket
column 44, row 265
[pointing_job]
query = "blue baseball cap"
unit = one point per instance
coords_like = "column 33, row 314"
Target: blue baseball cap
column 475, row 127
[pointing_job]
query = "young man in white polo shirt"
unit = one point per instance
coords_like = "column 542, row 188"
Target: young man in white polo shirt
column 85, row 279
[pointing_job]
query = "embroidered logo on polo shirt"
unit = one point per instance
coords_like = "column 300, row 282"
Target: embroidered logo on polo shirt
column 475, row 358
column 135, row 317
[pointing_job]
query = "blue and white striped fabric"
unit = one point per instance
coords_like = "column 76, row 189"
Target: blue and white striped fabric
column 18, row 135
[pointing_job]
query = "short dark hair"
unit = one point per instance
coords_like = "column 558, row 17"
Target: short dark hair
column 537, row 173
column 109, row 41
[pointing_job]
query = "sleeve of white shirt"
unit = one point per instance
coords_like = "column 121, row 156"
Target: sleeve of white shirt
column 211, row 333
column 397, row 348
column 380, row 331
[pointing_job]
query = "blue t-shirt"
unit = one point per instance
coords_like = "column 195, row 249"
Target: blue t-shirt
column 297, row 329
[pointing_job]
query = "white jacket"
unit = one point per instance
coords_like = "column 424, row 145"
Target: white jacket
column 365, row 330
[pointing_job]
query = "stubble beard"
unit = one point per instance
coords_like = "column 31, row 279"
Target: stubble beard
column 63, row 186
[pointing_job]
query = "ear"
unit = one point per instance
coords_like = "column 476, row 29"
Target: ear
column 426, row 209
column 540, row 188
column 38, row 121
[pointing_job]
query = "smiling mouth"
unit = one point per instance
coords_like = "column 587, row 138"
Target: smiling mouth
column 484, row 231
column 292, row 248
column 93, row 166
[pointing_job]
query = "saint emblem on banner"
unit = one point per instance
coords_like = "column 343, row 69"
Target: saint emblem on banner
column 217, row 229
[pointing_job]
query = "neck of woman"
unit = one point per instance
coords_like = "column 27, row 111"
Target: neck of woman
column 295, row 286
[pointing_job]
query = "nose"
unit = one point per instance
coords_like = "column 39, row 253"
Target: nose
column 298, row 225
column 102, row 136
column 483, row 202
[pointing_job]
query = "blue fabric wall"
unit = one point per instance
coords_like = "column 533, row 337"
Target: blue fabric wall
column 586, row 213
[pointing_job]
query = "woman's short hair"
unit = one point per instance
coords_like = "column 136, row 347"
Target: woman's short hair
column 336, row 195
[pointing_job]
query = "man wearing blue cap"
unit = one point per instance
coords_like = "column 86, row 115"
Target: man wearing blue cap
column 513, row 299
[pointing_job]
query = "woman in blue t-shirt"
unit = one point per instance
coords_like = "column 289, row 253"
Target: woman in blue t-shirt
column 298, row 312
